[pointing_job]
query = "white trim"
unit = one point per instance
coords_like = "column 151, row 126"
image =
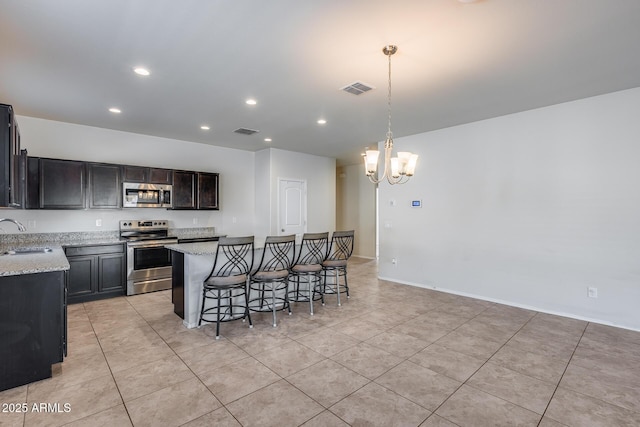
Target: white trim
column 510, row 303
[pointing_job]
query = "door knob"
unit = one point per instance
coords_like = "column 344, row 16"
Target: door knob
column 282, row 230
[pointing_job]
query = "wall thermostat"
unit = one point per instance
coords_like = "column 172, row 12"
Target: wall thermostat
column 416, row 203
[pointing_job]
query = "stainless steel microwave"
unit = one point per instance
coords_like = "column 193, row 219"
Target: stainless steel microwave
column 139, row 195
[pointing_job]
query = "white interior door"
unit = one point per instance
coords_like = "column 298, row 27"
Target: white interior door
column 292, row 206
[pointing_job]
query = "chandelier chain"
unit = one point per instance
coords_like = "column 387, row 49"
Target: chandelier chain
column 389, row 134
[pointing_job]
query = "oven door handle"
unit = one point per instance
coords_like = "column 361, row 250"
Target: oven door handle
column 151, row 245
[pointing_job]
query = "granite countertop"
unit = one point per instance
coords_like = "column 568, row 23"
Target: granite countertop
column 198, row 248
column 206, row 248
column 13, row 265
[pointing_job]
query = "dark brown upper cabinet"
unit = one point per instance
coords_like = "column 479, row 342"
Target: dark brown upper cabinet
column 105, row 186
column 208, row 191
column 10, row 182
column 184, row 190
column 62, row 184
column 147, row 175
column 195, row 190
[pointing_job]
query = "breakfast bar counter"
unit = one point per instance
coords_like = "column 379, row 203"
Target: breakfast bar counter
column 191, row 264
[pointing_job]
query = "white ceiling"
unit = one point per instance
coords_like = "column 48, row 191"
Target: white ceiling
column 70, row 60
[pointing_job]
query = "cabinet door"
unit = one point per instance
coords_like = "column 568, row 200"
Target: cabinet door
column 134, row 174
column 62, row 184
column 184, row 190
column 207, row 190
column 31, row 326
column 147, row 175
column 105, row 188
column 160, row 176
column 5, row 152
column 111, row 273
column 32, row 183
column 9, row 158
column 81, row 278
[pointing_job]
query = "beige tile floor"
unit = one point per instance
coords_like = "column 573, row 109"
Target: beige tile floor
column 392, row 355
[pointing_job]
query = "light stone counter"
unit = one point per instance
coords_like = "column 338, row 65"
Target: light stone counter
column 56, row 260
column 13, row 265
column 198, row 248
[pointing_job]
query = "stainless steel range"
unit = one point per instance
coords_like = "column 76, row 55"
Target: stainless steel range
column 148, row 261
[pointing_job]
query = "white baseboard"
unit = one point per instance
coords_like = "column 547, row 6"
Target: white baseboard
column 510, row 303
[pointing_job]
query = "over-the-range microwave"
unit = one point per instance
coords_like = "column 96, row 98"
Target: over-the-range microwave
column 139, row 195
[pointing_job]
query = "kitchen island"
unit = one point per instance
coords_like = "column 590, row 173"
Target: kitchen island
column 192, row 263
column 33, row 313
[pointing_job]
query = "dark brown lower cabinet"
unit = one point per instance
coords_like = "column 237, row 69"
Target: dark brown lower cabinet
column 33, row 326
column 96, row 272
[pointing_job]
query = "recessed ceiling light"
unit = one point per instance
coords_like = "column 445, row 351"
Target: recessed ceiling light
column 141, row 71
column 205, row 127
column 267, row 140
column 115, row 110
column 251, row 102
column 322, row 122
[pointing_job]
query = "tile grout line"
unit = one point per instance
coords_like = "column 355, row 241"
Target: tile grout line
column 108, row 365
column 186, row 365
column 563, row 373
column 487, row 361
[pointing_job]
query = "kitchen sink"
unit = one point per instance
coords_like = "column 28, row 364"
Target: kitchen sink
column 27, row 251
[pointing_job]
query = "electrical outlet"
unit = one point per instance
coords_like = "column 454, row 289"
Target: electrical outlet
column 592, row 292
column 234, row 220
column 31, row 224
column 98, row 223
column 195, row 221
column 394, row 261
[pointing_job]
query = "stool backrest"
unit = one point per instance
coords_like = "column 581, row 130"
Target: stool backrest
column 278, row 253
column 313, row 249
column 234, row 256
column 341, row 245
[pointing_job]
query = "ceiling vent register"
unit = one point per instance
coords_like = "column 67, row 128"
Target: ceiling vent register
column 245, row 131
column 357, row 88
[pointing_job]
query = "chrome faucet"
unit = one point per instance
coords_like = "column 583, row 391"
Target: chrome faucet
column 20, row 226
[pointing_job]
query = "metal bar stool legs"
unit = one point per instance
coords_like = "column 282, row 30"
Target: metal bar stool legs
column 272, row 275
column 227, row 283
column 338, row 255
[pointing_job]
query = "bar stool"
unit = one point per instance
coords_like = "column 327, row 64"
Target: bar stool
column 308, row 266
column 272, row 276
column 336, row 262
column 227, row 282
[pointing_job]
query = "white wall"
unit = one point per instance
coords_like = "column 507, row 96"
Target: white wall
column 263, row 193
column 247, row 201
column 528, row 209
column 356, row 208
column 319, row 172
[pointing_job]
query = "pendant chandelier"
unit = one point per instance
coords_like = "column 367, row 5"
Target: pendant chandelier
column 397, row 170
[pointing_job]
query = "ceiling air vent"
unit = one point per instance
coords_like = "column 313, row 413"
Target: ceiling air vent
column 245, row 131
column 356, row 88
